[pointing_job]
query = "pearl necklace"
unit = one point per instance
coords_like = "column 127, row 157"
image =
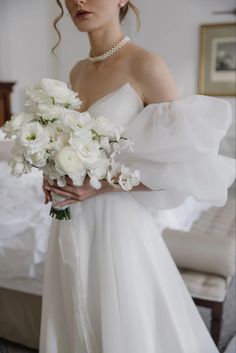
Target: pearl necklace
column 111, row 51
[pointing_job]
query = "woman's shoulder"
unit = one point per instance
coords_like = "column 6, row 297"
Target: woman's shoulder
column 151, row 71
column 76, row 70
column 141, row 55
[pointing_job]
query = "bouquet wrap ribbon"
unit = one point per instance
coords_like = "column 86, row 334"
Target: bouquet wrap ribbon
column 59, row 212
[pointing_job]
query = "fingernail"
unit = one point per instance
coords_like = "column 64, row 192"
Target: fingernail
column 47, row 188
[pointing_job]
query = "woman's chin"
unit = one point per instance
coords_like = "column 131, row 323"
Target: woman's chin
column 84, row 27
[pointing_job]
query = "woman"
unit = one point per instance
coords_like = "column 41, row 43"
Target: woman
column 110, row 283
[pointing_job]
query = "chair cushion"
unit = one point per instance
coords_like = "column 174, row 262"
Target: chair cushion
column 205, row 286
column 210, row 245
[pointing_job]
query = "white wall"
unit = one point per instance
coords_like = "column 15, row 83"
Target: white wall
column 25, row 39
column 169, row 28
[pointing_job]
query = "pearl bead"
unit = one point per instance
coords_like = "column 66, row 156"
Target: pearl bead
column 111, row 51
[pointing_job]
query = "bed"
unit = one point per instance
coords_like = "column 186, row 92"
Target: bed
column 24, row 230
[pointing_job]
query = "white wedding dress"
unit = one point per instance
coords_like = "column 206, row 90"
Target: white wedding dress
column 110, row 283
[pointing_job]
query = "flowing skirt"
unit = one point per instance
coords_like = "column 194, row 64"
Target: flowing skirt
column 111, row 285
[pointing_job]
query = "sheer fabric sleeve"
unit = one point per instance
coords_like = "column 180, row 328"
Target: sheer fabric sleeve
column 176, row 150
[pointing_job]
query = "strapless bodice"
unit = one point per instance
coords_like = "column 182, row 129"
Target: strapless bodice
column 120, row 106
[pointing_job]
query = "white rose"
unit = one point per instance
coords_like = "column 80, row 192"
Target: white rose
column 33, row 137
column 88, row 149
column 90, row 153
column 104, row 127
column 60, row 93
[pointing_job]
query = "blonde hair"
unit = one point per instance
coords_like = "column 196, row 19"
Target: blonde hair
column 123, row 12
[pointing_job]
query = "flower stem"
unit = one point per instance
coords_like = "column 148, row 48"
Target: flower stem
column 60, row 214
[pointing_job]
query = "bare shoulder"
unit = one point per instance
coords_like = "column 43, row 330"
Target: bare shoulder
column 75, row 72
column 153, row 76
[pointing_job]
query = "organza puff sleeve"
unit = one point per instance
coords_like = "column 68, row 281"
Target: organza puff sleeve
column 176, row 150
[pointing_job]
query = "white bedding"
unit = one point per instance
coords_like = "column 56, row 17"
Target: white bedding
column 23, row 284
column 24, row 224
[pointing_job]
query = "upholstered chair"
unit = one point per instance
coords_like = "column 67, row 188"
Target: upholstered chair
column 205, row 257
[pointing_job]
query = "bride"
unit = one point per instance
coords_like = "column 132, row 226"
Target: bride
column 110, row 284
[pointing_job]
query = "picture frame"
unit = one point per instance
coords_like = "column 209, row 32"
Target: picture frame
column 217, row 59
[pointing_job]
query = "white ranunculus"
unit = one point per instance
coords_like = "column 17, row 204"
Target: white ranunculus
column 68, row 161
column 104, row 127
column 33, row 137
column 12, row 127
column 60, row 93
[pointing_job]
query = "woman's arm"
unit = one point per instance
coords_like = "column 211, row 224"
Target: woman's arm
column 75, row 193
column 154, row 78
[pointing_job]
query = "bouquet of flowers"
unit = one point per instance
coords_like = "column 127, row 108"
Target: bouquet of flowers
column 53, row 136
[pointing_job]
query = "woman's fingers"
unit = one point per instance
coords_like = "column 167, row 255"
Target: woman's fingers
column 47, row 191
column 66, row 202
column 64, row 192
column 70, row 191
column 69, row 180
column 47, row 196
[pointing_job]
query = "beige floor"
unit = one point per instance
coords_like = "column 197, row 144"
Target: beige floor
column 228, row 330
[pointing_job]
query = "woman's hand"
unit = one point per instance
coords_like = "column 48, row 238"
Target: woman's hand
column 75, row 194
column 47, row 191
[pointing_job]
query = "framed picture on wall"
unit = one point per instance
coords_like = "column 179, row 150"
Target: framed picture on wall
column 217, row 59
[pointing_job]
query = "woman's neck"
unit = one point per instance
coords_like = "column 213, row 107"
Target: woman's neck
column 102, row 39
